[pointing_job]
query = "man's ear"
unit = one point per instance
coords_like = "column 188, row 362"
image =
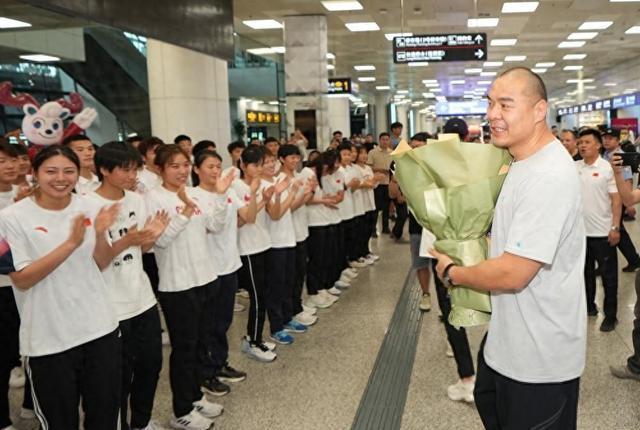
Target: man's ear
column 540, row 110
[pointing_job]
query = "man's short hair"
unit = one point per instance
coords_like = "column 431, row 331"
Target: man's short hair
column 383, row 134
column 396, row 125
column 337, row 132
column 271, row 139
column 149, row 143
column 74, row 138
column 536, row 82
column 456, row 126
column 422, row 137
column 591, row 132
column 238, row 144
column 181, row 137
column 568, row 130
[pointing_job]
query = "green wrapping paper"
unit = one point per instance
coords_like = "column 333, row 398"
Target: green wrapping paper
column 451, row 188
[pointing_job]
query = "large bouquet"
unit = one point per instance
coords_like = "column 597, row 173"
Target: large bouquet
column 451, row 188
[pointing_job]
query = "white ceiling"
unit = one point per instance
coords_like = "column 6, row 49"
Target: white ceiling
column 538, row 34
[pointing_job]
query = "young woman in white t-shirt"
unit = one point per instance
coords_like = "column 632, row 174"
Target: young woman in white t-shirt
column 69, row 330
column 281, row 255
column 133, row 233
column 368, row 184
column 187, row 283
column 253, row 244
column 226, row 260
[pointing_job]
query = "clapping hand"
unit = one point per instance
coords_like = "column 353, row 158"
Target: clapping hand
column 223, row 184
column 78, row 229
column 106, row 217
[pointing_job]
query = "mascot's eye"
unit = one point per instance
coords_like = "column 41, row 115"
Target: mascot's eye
column 56, row 126
column 37, row 124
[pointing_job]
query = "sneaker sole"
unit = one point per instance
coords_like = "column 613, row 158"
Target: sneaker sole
column 229, row 379
column 214, row 393
column 323, row 305
column 279, row 342
column 291, row 330
column 261, row 360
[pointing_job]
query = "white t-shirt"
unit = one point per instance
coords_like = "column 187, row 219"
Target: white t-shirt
column 71, row 305
column 332, row 185
column 87, row 186
column 538, row 334
column 6, row 199
column 598, row 182
column 129, row 286
column 224, row 243
column 147, row 180
column 345, row 207
column 281, row 231
column 358, row 195
column 317, row 214
column 226, row 171
column 369, row 198
column 182, row 251
column 300, row 215
column 252, row 238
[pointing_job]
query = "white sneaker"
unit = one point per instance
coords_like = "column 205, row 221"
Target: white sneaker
column 309, row 309
column 357, row 264
column 425, row 302
column 341, row 284
column 271, row 346
column 318, row 301
column 352, row 273
column 243, row 293
column 152, row 426
column 165, row 339
column 449, row 352
column 328, row 296
column 17, row 378
column 305, row 318
column 258, row 352
column 238, row 307
column 461, row 391
column 192, row 421
column 374, row 257
column 27, row 414
column 346, row 279
column 334, row 291
column 208, row 409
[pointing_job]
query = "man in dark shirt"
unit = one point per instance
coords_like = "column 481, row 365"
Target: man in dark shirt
column 569, row 139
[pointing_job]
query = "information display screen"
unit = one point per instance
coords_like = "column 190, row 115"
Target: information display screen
column 440, row 47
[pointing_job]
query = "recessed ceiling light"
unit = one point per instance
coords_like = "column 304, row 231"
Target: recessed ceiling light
column 362, row 26
column 572, row 68
column 488, row 73
column 590, row 87
column 274, row 103
column 493, row 64
column 262, row 24
column 504, row 42
column 278, row 49
column 630, row 90
column 515, row 58
column 382, row 87
column 633, row 30
column 366, row 79
column 429, row 81
column 610, row 84
column 572, row 44
column 539, row 70
column 576, row 81
column 472, row 71
column 545, row 65
column 467, row 96
column 330, row 56
column 484, row 82
column 39, row 58
column 435, row 90
column 12, row 23
column 574, row 57
column 457, row 82
column 483, row 22
column 333, row 6
column 432, row 85
column 403, row 91
column 418, row 64
column 595, row 25
column 519, row 7
column 330, row 67
column 390, row 36
column 364, row 67
column 582, row 35
column 260, row 51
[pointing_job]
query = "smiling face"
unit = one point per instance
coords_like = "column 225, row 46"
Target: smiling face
column 515, row 110
column 290, row 162
column 176, row 171
column 209, row 171
column 269, row 165
column 56, row 177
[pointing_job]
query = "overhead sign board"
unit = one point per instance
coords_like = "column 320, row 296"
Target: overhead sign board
column 340, row 86
column 622, row 101
column 462, row 108
column 259, row 117
column 440, row 47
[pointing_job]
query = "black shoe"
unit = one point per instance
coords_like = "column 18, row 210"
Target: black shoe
column 630, row 268
column 229, row 374
column 386, row 231
column 215, row 387
column 592, row 312
column 628, row 218
column 608, row 324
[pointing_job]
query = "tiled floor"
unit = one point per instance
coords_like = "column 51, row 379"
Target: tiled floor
column 317, row 382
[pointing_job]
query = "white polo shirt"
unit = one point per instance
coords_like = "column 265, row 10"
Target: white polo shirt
column 597, row 182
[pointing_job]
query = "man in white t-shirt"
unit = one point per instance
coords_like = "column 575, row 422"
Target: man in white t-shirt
column 530, row 363
column 602, row 214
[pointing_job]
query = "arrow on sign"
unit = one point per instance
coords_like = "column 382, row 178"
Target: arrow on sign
column 479, row 53
column 479, row 38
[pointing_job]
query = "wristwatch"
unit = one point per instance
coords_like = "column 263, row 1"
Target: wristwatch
column 615, row 228
column 446, row 278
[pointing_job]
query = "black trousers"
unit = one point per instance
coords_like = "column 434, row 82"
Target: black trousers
column 362, row 233
column 319, row 258
column 223, row 301
column 298, row 281
column 252, row 278
column 9, row 353
column 381, row 196
column 506, row 404
column 457, row 338
column 151, row 269
column 626, row 246
column 633, row 362
column 188, row 316
column 401, row 218
column 141, row 365
column 350, row 240
column 90, row 372
column 281, row 263
column 599, row 250
column 370, row 219
column 340, row 255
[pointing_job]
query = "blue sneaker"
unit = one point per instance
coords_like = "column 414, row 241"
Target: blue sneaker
column 295, row 327
column 282, row 337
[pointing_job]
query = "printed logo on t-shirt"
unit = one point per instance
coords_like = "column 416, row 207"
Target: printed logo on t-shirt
column 247, row 197
column 87, row 222
column 596, row 174
column 229, row 200
column 196, row 211
column 42, row 229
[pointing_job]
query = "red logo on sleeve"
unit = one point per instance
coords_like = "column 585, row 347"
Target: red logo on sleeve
column 229, row 200
column 42, row 229
column 247, row 197
column 596, row 174
column 87, row 222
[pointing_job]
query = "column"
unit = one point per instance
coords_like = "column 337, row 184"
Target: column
column 403, row 117
column 339, row 115
column 306, row 78
column 188, row 94
column 382, row 122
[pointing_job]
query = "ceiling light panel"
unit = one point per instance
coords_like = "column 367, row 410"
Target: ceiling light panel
column 488, row 73
column 582, row 35
column 484, row 82
column 633, row 30
column 12, row 23
column 493, row 64
column 574, row 57
column 572, row 68
column 545, row 65
column 39, row 58
column 364, row 67
column 366, row 79
column 330, row 56
column 515, row 58
column 334, row 6
column 472, row 71
column 571, row 44
column 382, row 87
column 482, row 22
column 418, row 64
column 503, row 42
column 520, row 7
column 362, row 26
column 262, row 24
column 457, row 82
column 595, row 25
column 539, row 70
